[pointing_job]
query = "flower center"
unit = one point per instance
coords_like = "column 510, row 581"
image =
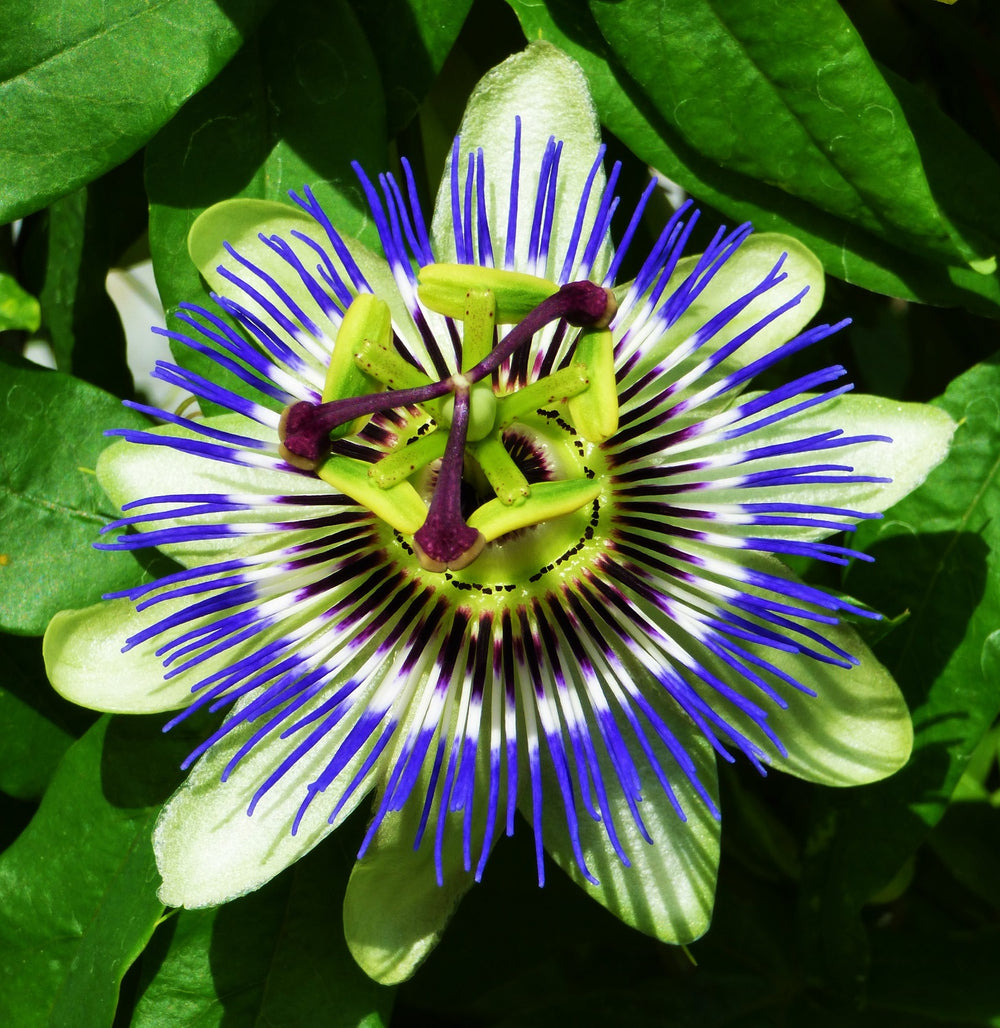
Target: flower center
column 467, row 405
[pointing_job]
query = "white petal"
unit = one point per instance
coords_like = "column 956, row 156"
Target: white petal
column 135, row 471
column 209, row 850
column 84, row 662
column 548, row 91
column 741, row 274
column 240, row 222
column 921, row 435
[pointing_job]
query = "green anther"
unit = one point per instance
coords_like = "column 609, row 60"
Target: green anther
column 594, row 413
column 482, row 411
column 548, row 500
column 399, row 506
column 406, row 458
column 504, row 476
column 557, row 388
column 479, row 326
column 445, row 288
column 366, row 318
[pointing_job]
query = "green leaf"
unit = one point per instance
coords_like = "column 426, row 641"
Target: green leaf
column 18, row 308
column 847, row 251
column 77, row 895
column 786, row 94
column 258, row 131
column 37, row 727
column 83, row 86
column 75, row 242
column 276, row 957
column 51, row 504
column 936, row 556
column 410, row 40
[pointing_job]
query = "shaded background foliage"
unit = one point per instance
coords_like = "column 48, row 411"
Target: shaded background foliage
column 867, row 128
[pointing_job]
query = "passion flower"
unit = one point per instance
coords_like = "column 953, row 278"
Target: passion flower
column 486, row 531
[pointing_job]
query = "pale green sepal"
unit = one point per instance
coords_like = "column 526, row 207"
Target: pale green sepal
column 398, row 505
column 130, row 471
column 549, row 92
column 455, row 290
column 856, row 729
column 85, row 664
column 741, row 273
column 394, row 909
column 547, row 500
column 594, row 412
column 921, row 435
column 669, row 890
column 209, row 850
column 239, row 222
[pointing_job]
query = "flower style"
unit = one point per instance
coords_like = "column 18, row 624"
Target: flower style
column 484, row 531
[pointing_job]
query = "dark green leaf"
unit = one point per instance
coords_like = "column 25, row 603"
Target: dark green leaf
column 937, row 972
column 276, row 957
column 938, row 556
column 786, row 94
column 18, row 308
column 84, row 85
column 50, row 502
column 83, row 236
column 78, row 888
column 967, row 841
column 36, row 724
column 848, row 252
column 257, row 132
column 410, row 40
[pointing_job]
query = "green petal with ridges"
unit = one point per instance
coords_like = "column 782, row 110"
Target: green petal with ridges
column 669, row 890
column 239, row 223
column 857, row 729
column 394, row 909
column 548, row 90
column 132, row 471
column 921, row 437
column 391, row 939
column 209, row 850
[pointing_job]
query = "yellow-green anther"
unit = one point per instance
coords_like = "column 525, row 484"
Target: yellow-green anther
column 594, row 412
column 397, row 465
column 445, row 287
column 479, row 326
column 504, row 476
column 382, row 362
column 548, row 500
column 482, row 411
column 557, row 388
column 366, row 317
column 399, row 506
